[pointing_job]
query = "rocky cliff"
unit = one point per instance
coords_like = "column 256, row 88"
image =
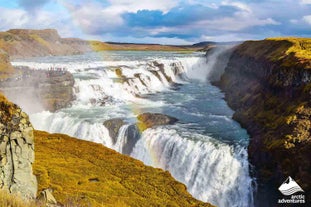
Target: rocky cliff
column 6, row 69
column 268, row 84
column 37, row 90
column 16, row 150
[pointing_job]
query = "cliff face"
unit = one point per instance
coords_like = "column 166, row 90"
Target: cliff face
column 6, row 69
column 16, row 150
column 268, row 84
column 37, row 90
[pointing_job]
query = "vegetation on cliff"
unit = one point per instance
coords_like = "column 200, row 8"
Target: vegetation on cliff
column 90, row 173
column 268, row 83
column 288, row 52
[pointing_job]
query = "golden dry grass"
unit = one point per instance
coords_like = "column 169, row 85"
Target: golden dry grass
column 301, row 47
column 287, row 51
column 92, row 174
column 10, row 200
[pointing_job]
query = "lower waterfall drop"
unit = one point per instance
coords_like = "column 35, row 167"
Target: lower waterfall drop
column 212, row 171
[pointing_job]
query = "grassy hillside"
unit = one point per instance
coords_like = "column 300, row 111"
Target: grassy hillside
column 21, row 43
column 301, row 47
column 101, row 46
column 289, row 51
column 88, row 173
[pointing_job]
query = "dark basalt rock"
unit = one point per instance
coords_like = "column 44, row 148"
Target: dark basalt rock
column 113, row 126
column 272, row 100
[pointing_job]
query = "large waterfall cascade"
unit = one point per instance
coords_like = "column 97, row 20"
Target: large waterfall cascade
column 205, row 150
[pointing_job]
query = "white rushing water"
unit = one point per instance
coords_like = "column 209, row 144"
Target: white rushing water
column 213, row 171
column 206, row 151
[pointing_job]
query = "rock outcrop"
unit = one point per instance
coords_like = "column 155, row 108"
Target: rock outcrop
column 37, row 90
column 268, row 84
column 6, row 69
column 148, row 120
column 16, row 150
column 113, row 126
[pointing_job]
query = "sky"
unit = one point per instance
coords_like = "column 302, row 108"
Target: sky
column 161, row 21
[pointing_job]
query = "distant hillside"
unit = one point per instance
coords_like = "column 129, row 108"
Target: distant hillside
column 98, row 46
column 21, row 43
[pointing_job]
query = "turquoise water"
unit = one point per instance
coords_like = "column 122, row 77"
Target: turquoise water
column 206, row 149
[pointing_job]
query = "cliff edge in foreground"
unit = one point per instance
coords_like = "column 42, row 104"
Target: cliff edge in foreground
column 16, row 150
column 268, row 84
column 93, row 175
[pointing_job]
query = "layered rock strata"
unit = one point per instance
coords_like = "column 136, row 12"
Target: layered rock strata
column 268, row 84
column 16, row 150
column 37, row 90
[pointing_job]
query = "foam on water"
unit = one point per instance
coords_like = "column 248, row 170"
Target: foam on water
column 212, row 170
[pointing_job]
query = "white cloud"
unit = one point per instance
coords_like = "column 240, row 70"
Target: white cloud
column 40, row 20
column 294, row 21
column 307, row 19
column 242, row 6
column 305, row 1
column 92, row 17
column 134, row 6
column 146, row 39
column 236, row 23
column 20, row 18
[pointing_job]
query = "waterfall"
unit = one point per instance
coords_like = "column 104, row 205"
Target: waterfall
column 127, row 137
column 212, row 170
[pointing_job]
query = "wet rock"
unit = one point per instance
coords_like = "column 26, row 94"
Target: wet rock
column 113, row 126
column 132, row 136
column 148, row 120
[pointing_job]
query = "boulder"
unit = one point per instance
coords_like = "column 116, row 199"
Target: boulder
column 148, row 120
column 47, row 198
column 113, row 126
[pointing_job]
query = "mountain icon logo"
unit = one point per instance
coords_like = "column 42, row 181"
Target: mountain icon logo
column 289, row 187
